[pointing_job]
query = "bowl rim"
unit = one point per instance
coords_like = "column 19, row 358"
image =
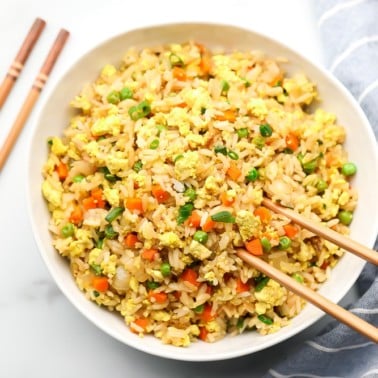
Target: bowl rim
column 42, row 250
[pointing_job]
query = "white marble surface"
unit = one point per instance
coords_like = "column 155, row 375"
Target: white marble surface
column 41, row 333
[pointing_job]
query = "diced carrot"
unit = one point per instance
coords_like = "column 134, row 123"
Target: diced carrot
column 228, row 115
column 194, row 219
column 62, row 170
column 241, row 286
column 159, row 193
column 149, row 254
column 134, row 204
column 203, row 333
column 290, row 230
column 254, row 247
column 76, row 215
column 208, row 225
column 205, row 63
column 226, row 199
column 181, row 105
column 206, row 315
column 98, row 197
column 190, row 275
column 130, row 240
column 179, row 73
column 233, row 171
column 140, row 322
column 263, row 213
column 292, row 141
column 100, row 284
column 89, row 203
column 159, row 297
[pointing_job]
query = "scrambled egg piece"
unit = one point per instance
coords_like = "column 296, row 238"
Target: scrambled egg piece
column 81, row 102
column 306, row 252
column 117, row 162
column 257, row 107
column 94, row 256
column 187, row 166
column 212, row 185
column 178, row 117
column 92, row 149
column 222, row 68
column 108, row 71
column 79, row 246
column 300, row 89
column 249, row 225
column 195, row 140
column 171, row 240
column 58, row 147
column 199, row 251
column 161, row 316
column 197, row 99
column 139, row 179
column 272, row 294
column 112, row 196
column 52, row 195
column 107, row 125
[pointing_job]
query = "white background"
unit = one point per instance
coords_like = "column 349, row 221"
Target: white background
column 41, row 334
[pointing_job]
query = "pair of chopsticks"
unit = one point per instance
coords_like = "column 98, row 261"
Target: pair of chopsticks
column 39, row 82
column 339, row 313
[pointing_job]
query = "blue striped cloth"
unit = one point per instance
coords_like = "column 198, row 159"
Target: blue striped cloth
column 349, row 32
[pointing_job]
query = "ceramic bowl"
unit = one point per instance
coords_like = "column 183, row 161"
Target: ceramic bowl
column 360, row 144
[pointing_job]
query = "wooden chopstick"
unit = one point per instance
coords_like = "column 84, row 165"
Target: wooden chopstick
column 20, row 59
column 33, row 95
column 316, row 299
column 327, row 233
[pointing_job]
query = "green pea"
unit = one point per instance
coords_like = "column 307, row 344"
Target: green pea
column 298, row 277
column 165, row 269
column 178, row 157
column 199, row 309
column 175, row 60
column 68, row 230
column 310, row 166
column 152, row 285
column 125, row 93
column 242, row 133
column 345, row 217
column 252, row 175
column 113, row 97
column 141, row 110
column 220, row 150
column 265, row 319
column 138, row 165
column 321, row 186
column 96, row 293
column 100, row 243
column 266, row 130
column 265, row 244
column 225, row 86
column 201, row 237
column 78, row 178
column 261, row 283
column 191, row 194
column 154, row 144
column 233, row 155
column 285, row 242
column 349, row 169
column 259, row 141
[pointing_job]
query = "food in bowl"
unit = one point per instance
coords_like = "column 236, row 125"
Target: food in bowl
column 159, row 178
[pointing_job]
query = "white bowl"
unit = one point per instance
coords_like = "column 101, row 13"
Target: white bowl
column 360, row 144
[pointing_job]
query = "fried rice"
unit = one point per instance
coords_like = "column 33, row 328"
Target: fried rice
column 159, row 178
